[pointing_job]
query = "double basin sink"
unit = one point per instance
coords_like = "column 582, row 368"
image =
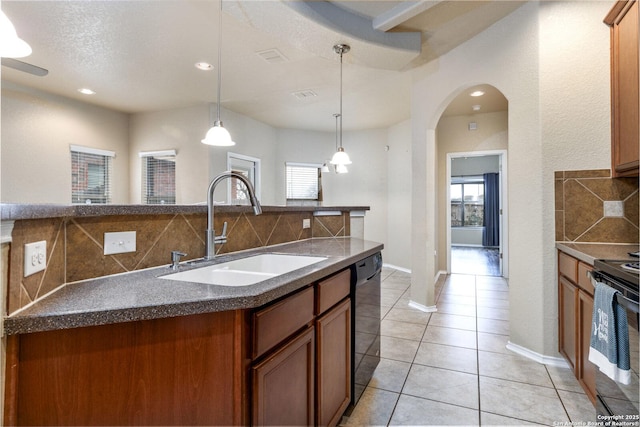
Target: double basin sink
column 246, row 271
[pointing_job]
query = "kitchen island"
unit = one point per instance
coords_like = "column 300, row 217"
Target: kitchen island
column 138, row 349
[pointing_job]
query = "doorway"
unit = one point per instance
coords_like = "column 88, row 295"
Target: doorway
column 476, row 201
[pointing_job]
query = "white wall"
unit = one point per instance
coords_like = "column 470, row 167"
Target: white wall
column 37, row 129
column 515, row 56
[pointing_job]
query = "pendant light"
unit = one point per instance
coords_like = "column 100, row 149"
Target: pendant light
column 340, row 157
column 218, row 135
column 11, row 46
column 339, row 167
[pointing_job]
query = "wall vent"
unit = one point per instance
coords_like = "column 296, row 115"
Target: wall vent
column 304, row 94
column 272, row 56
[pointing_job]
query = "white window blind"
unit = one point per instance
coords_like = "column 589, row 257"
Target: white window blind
column 158, row 177
column 91, row 174
column 303, row 181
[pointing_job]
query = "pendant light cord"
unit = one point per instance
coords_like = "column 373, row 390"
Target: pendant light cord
column 219, row 58
column 341, row 50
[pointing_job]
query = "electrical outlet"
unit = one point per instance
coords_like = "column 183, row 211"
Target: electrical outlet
column 306, row 223
column 120, row 242
column 35, row 257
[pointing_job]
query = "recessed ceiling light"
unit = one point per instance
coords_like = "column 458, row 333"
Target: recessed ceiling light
column 477, row 93
column 86, row 91
column 476, row 107
column 204, row 66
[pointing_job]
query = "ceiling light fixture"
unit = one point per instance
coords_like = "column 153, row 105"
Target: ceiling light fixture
column 477, row 93
column 11, row 46
column 476, row 107
column 218, row 135
column 204, row 66
column 340, row 157
column 86, row 91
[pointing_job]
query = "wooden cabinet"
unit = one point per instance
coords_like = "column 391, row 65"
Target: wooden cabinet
column 334, row 364
column 624, row 21
column 575, row 307
column 301, row 370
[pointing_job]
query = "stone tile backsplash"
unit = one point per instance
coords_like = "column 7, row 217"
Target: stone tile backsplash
column 75, row 244
column 591, row 207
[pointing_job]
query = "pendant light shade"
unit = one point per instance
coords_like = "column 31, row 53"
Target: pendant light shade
column 11, row 46
column 218, row 135
column 340, row 158
column 342, row 169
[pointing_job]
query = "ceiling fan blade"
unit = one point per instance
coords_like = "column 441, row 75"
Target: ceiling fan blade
column 23, row 66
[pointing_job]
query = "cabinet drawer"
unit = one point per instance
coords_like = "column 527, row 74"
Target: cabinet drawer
column 583, row 280
column 332, row 290
column 276, row 322
column 568, row 266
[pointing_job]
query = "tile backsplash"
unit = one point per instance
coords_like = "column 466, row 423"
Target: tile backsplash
column 592, row 207
column 75, row 244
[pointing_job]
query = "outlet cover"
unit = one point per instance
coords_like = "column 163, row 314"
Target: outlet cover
column 35, row 257
column 306, row 223
column 120, row 242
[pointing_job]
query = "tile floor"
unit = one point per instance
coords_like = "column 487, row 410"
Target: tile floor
column 452, row 367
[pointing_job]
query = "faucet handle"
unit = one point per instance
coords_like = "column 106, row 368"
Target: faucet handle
column 223, row 237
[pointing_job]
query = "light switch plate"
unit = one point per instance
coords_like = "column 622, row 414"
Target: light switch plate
column 35, row 257
column 120, row 242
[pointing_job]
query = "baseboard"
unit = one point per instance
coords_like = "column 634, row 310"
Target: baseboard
column 424, row 308
column 438, row 274
column 537, row 357
column 395, row 267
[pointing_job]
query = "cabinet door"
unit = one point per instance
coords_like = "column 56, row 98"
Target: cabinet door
column 586, row 370
column 625, row 94
column 567, row 305
column 283, row 384
column 334, row 364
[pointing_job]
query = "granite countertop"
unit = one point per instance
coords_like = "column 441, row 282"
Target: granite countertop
column 589, row 252
column 13, row 211
column 141, row 295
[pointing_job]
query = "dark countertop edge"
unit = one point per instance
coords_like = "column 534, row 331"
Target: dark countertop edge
column 12, row 212
column 22, row 324
column 589, row 252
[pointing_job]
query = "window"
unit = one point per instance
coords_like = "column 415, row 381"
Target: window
column 91, row 171
column 303, row 181
column 158, row 177
column 249, row 167
column 467, row 202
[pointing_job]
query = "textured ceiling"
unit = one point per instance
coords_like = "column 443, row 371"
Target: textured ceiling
column 139, row 55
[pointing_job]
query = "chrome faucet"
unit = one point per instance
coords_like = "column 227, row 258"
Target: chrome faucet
column 212, row 239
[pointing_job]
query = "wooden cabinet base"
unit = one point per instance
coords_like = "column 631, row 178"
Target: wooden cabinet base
column 176, row 371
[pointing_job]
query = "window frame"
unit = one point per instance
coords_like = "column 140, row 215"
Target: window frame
column 318, row 187
column 462, row 181
column 80, row 155
column 144, row 183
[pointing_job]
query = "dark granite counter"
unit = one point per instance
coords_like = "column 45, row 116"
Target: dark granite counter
column 10, row 212
column 142, row 295
column 589, row 252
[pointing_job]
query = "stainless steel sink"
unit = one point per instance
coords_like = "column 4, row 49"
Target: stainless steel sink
column 245, row 271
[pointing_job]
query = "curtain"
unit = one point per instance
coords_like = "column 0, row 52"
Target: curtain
column 491, row 234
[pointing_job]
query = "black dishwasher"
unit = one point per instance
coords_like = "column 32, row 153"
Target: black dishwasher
column 365, row 322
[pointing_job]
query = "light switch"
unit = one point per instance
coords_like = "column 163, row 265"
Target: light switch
column 120, row 242
column 35, row 257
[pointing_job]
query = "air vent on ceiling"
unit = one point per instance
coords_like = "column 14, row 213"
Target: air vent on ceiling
column 304, row 94
column 272, row 56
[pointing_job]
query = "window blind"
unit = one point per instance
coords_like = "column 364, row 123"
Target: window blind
column 303, row 181
column 158, row 177
column 91, row 175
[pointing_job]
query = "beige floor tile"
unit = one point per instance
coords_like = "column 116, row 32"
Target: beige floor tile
column 492, row 294
column 390, row 375
column 489, row 419
column 415, row 411
column 578, row 407
column 450, row 336
column 492, row 283
column 493, row 326
column 453, row 321
column 459, row 309
column 443, row 385
column 522, row 401
column 493, row 342
column 398, row 348
column 564, row 379
column 493, row 303
column 447, row 357
column 493, row 313
column 408, row 315
column 406, row 330
column 513, row 367
column 456, row 299
column 374, row 408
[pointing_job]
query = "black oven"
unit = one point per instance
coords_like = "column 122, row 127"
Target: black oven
column 618, row 403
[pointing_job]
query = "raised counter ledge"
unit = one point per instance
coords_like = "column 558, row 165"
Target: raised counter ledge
column 140, row 295
column 589, row 252
column 12, row 212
